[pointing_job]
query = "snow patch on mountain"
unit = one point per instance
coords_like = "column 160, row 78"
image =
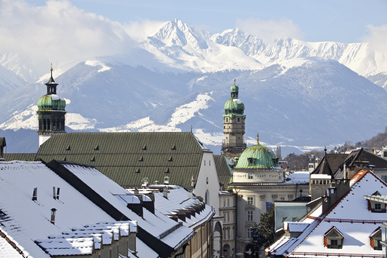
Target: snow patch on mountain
column 78, row 122
column 96, row 62
column 180, row 115
column 26, row 119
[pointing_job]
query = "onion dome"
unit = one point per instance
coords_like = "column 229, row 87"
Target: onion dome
column 234, row 105
column 257, row 156
column 51, row 101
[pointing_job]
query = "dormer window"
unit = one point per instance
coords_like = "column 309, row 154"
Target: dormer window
column 374, row 205
column 251, row 161
column 333, row 239
column 375, row 239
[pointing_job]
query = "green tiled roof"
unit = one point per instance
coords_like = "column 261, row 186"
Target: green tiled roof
column 127, row 158
column 223, row 170
column 19, row 156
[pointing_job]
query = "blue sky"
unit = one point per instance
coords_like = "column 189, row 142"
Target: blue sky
column 344, row 21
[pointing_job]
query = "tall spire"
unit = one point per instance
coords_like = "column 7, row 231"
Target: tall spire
column 257, row 138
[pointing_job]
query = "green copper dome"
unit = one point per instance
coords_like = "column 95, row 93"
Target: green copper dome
column 51, row 102
column 234, row 106
column 257, row 156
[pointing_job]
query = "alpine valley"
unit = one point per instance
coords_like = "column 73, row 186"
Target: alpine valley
column 300, row 95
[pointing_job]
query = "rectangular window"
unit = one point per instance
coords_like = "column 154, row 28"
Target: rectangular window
column 378, row 206
column 250, row 175
column 250, row 200
column 249, row 232
column 249, row 215
column 228, row 202
column 334, row 243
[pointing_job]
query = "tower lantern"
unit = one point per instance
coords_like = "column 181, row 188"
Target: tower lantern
column 51, row 112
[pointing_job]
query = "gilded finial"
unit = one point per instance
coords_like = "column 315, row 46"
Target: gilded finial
column 257, row 138
column 234, row 81
column 51, row 70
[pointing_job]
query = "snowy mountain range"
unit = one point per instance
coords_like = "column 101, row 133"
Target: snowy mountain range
column 299, row 94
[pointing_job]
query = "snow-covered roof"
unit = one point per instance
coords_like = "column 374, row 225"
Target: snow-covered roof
column 320, row 176
column 180, row 199
column 26, row 220
column 157, row 224
column 350, row 216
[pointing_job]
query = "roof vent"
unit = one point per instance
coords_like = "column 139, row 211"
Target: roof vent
column 96, row 147
column 167, row 170
column 173, row 147
column 68, row 147
column 145, row 182
column 141, row 158
column 53, row 211
column 64, row 159
column 35, row 194
column 166, row 180
column 144, row 147
column 137, row 170
column 170, row 158
column 93, row 158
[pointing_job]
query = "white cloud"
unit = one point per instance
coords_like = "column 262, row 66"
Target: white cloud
column 58, row 32
column 141, row 30
column 377, row 38
column 269, row 30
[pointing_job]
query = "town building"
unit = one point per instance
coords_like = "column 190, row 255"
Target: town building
column 343, row 166
column 258, row 182
column 233, row 125
column 347, row 223
column 60, row 209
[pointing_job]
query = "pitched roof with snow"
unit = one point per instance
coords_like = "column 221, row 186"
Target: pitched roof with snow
column 349, row 215
column 179, row 200
column 170, row 233
column 25, row 220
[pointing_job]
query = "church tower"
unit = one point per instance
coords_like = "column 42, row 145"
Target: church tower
column 233, row 125
column 51, row 112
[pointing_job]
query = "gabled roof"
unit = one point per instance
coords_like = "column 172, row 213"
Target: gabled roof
column 223, row 170
column 349, row 215
column 127, row 158
column 329, row 164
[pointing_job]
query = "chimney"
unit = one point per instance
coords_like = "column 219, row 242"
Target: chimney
column 35, row 194
column 149, row 204
column 145, row 182
column 165, row 192
column 53, row 211
column 54, row 193
column 166, row 180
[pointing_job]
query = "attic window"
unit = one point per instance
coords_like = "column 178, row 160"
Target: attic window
column 92, row 159
column 68, row 147
column 173, row 147
column 96, row 147
column 170, row 158
column 141, row 159
column 144, row 147
column 251, row 161
column 138, row 170
column 375, row 239
column 333, row 239
column 167, row 170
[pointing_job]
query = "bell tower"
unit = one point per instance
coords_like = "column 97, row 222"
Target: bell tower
column 51, row 112
column 233, row 125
